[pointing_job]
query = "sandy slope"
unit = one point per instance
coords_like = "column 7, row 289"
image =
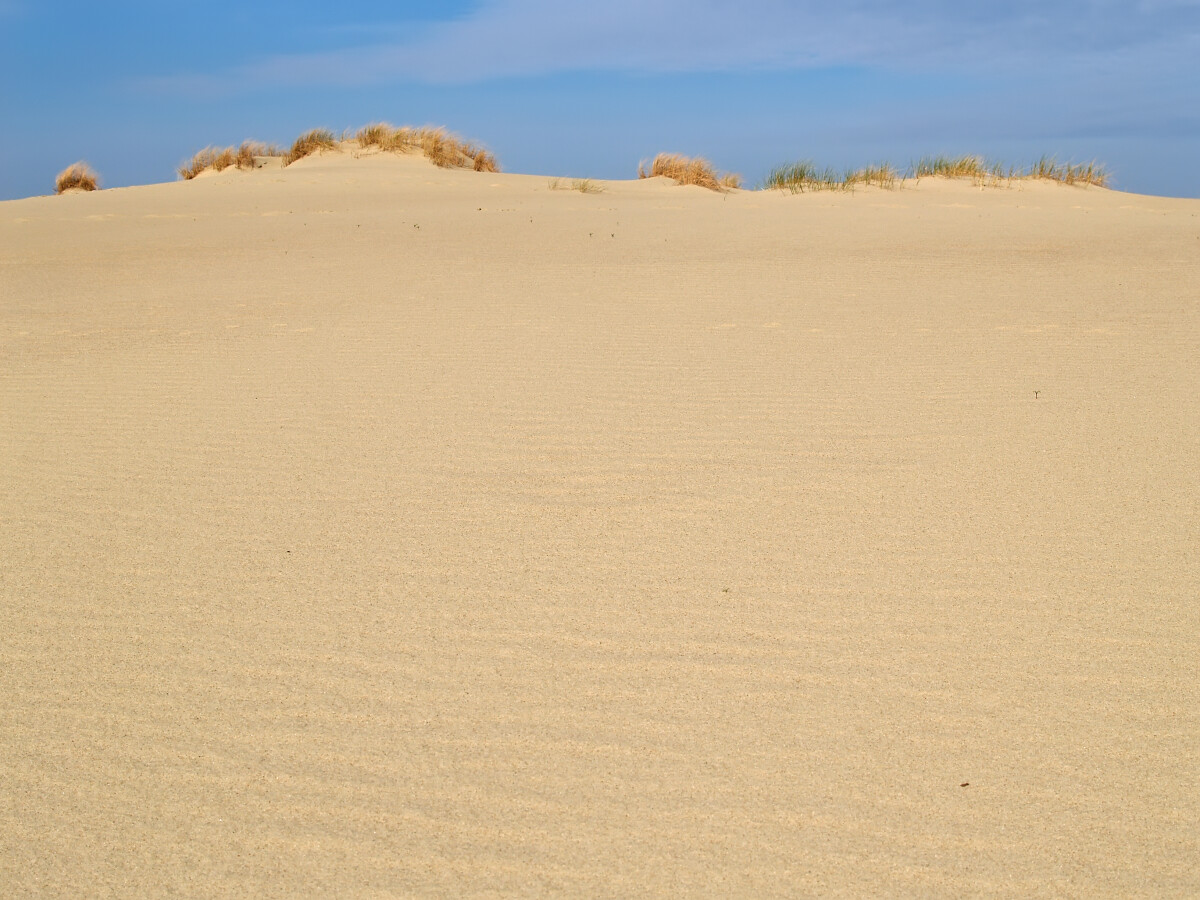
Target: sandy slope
column 374, row 529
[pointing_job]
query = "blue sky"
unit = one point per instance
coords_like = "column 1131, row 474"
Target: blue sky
column 558, row 87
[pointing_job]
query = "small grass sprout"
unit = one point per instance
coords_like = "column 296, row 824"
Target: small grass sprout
column 583, row 185
column 76, row 177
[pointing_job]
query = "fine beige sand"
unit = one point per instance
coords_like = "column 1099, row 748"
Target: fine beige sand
column 372, row 529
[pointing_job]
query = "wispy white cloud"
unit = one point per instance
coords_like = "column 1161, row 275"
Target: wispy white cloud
column 507, row 38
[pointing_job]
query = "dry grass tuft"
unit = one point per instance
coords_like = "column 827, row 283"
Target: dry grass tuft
column 218, row 159
column 77, row 177
column 451, row 152
column 401, row 140
column 485, row 161
column 224, row 159
column 437, row 144
column 689, row 170
column 439, row 148
column 309, row 143
column 198, row 163
column 377, row 134
column 246, row 156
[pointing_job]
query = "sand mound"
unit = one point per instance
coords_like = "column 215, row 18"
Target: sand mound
column 372, row 528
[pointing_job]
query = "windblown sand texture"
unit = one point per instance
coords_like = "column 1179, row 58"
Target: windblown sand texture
column 373, row 529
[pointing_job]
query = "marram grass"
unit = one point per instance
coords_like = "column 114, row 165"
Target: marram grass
column 309, row 143
column 689, row 170
column 244, row 156
column 439, row 145
column 76, row 177
column 1067, row 173
column 798, row 177
column 804, row 176
column 448, row 150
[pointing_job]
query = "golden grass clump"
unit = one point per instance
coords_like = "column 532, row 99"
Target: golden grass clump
column 449, row 151
column 968, row 166
column 441, row 147
column 224, row 159
column 76, row 177
column 485, row 162
column 198, row 163
column 437, row 144
column 689, row 170
column 1082, row 174
column 377, row 134
column 244, row 156
column 309, row 143
column 883, row 175
column 401, row 140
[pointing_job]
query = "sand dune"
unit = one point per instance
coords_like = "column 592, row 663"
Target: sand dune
column 377, row 529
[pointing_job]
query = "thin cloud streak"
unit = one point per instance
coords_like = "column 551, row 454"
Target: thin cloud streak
column 525, row 38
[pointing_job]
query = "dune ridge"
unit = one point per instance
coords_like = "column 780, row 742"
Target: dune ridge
column 448, row 150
